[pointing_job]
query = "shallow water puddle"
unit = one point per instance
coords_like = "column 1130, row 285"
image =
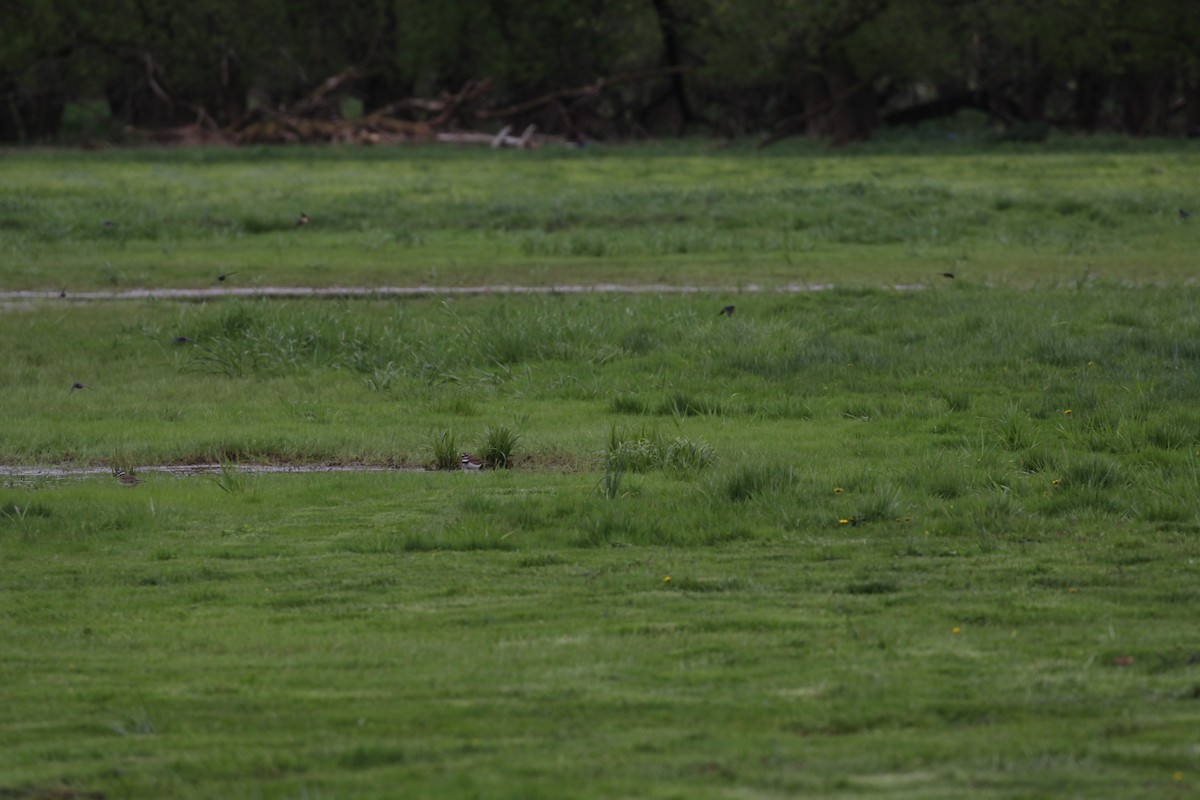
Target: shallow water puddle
column 407, row 291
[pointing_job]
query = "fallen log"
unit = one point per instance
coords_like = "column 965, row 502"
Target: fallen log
column 450, row 117
column 314, row 99
column 526, row 140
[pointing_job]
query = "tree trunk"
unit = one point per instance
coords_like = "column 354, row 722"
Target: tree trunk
column 667, row 23
column 1191, row 98
column 233, row 89
column 25, row 119
column 855, row 113
column 1090, row 91
column 1037, row 86
column 1135, row 104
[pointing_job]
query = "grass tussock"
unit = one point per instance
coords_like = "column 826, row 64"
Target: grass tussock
column 641, row 449
column 229, row 479
column 445, row 450
column 751, row 480
column 499, row 444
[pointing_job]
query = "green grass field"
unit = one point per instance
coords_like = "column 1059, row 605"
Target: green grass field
column 861, row 542
column 690, row 213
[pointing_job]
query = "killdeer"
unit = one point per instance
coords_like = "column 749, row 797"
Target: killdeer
column 727, row 311
column 226, row 275
column 303, row 220
column 74, row 386
column 470, row 462
column 126, row 479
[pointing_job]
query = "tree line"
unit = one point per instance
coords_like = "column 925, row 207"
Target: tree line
column 840, row 69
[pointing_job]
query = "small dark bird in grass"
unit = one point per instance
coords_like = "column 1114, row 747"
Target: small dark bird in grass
column 126, row 479
column 221, row 278
column 1183, row 214
column 470, row 462
column 62, row 292
column 180, row 340
column 74, row 386
column 108, row 223
column 949, row 275
column 302, row 220
column 727, row 311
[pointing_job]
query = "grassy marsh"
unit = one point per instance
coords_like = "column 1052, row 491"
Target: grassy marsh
column 847, row 543
column 681, row 213
column 955, row 402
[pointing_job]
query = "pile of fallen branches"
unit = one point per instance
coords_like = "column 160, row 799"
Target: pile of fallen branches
column 457, row 118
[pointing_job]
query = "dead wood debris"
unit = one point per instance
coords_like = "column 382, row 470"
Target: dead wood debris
column 452, row 118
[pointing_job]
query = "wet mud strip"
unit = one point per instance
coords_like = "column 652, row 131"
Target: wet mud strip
column 187, row 470
column 288, row 292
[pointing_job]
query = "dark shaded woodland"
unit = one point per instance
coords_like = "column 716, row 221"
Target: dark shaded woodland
column 838, row 69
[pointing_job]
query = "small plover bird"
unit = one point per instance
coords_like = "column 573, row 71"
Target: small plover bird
column 470, row 462
column 126, row 479
column 74, row 386
column 727, row 311
column 226, row 275
column 303, row 220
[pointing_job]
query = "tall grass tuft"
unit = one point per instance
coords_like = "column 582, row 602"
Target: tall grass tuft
column 880, row 504
column 499, row 443
column 229, row 478
column 614, row 470
column 1035, row 460
column 682, row 455
column 121, row 461
column 444, row 446
column 956, row 400
column 1017, row 431
column 747, row 481
column 19, row 515
column 636, row 449
column 682, row 404
column 627, row 404
column 1091, row 472
column 641, row 449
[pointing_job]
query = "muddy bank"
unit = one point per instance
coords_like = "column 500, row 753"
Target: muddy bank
column 186, row 470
